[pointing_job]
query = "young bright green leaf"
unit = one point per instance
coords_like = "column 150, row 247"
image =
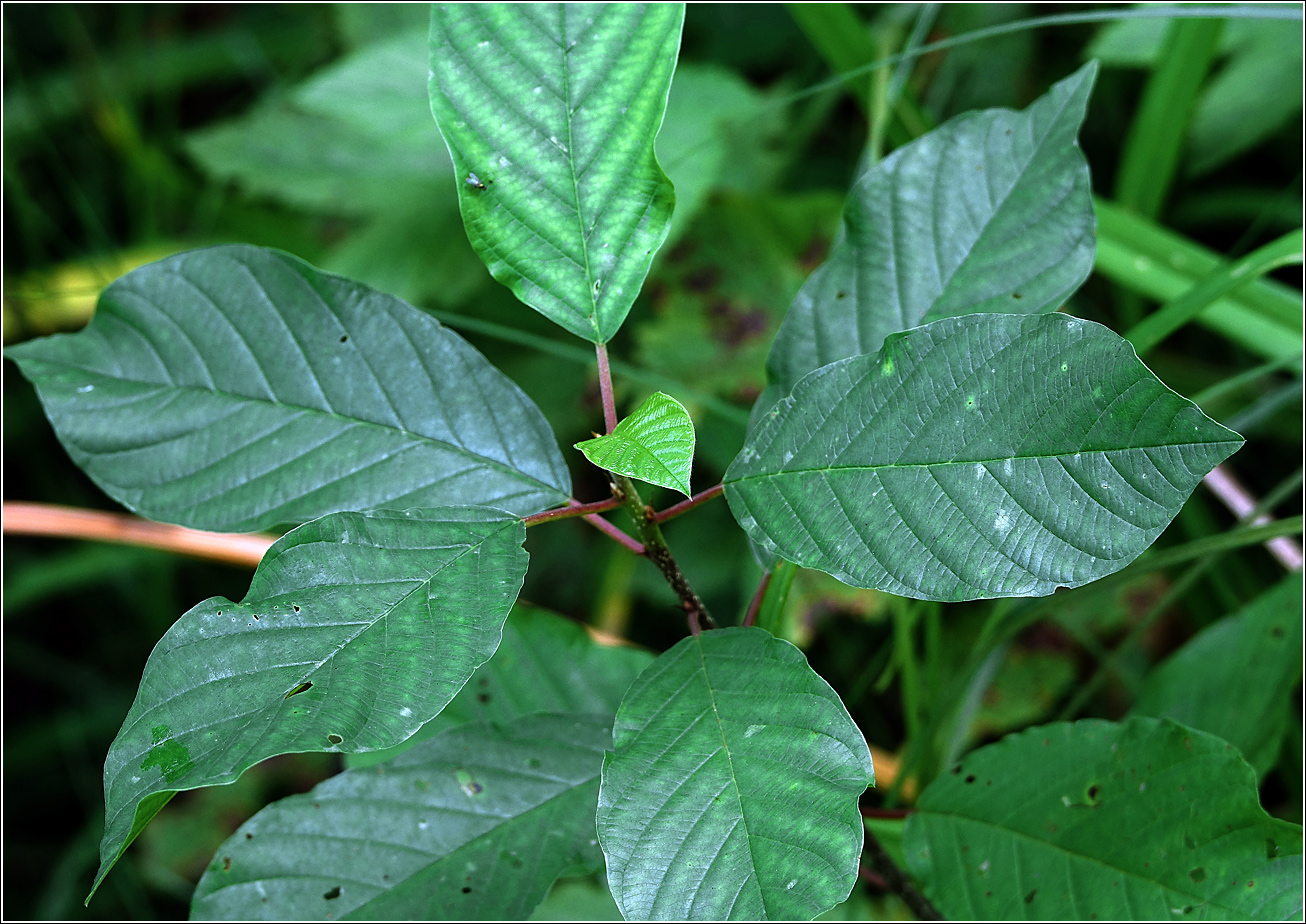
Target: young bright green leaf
column 732, row 789
column 545, row 663
column 990, row 212
column 654, row 444
column 983, row 456
column 1256, row 651
column 474, row 824
column 357, row 629
column 553, row 109
column 1147, row 820
column 237, row 388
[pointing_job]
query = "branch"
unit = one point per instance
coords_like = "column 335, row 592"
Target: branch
column 676, row 510
column 655, row 547
column 1242, row 504
column 574, row 508
column 754, row 605
column 28, row 519
column 611, row 531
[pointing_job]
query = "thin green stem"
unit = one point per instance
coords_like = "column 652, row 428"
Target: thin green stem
column 1208, row 396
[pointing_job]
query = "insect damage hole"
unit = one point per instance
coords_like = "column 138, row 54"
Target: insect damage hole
column 307, row 684
column 334, row 738
column 332, row 893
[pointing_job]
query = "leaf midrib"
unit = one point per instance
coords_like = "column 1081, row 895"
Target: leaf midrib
column 318, row 412
column 565, row 70
column 931, row 465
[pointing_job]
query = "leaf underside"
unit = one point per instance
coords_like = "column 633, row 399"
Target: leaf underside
column 553, row 110
column 990, row 212
column 474, row 824
column 1077, row 821
column 654, row 444
column 984, row 456
column 357, row 629
column 237, row 388
column 732, row 790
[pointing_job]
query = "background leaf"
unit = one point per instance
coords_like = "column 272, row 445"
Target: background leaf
column 990, row 212
column 559, row 104
column 1256, row 651
column 474, row 824
column 236, row 388
column 732, row 790
column 654, row 444
column 991, row 455
column 357, row 629
column 545, row 663
column 1078, row 821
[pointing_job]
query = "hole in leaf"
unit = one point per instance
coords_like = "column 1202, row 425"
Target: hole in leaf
column 1029, row 899
column 484, row 698
column 256, row 617
column 1092, row 794
column 334, row 738
column 344, row 338
column 1016, row 295
column 307, row 684
column 226, row 864
column 956, row 770
column 248, row 836
column 466, row 889
column 295, row 606
column 970, row 777
column 331, row 893
column 1197, row 875
column 841, row 295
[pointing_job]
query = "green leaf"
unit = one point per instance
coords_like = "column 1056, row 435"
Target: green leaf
column 545, row 663
column 1256, row 651
column 237, row 388
column 475, row 824
column 1071, row 822
column 654, row 444
column 357, row 629
column 553, row 108
column 732, row 790
column 990, row 212
column 990, row 455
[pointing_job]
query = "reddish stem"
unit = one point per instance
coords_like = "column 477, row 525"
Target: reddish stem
column 750, row 618
column 574, row 508
column 884, row 812
column 605, row 388
column 604, row 526
column 676, row 510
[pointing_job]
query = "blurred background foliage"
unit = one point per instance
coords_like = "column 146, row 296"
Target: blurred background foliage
column 135, row 131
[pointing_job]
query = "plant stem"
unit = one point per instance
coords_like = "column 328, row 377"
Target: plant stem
column 605, row 387
column 750, row 618
column 574, row 508
column 612, row 532
column 655, row 547
column 676, row 510
column 898, row 883
column 71, row 523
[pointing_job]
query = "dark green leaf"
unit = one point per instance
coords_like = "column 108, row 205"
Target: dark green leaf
column 654, row 444
column 1256, row 651
column 990, row 212
column 236, row 388
column 550, row 113
column 357, row 629
column 545, row 663
column 989, row 455
column 732, row 790
column 474, row 824
column 1146, row 820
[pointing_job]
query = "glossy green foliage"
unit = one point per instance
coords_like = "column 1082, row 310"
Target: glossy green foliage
column 990, row 212
column 654, row 444
column 357, row 629
column 1256, row 651
column 236, row 388
column 545, row 663
column 983, row 456
column 732, row 789
column 1144, row 820
column 474, row 824
column 550, row 113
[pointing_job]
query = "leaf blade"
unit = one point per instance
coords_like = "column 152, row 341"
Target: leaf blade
column 237, row 388
column 991, row 212
column 474, row 824
column 988, row 455
column 357, row 629
column 1073, row 832
column 654, row 444
column 560, row 103
column 666, row 785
